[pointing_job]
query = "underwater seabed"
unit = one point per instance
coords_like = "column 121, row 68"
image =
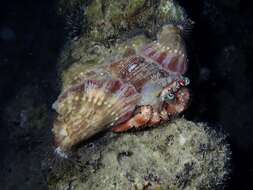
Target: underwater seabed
column 41, row 55
column 181, row 155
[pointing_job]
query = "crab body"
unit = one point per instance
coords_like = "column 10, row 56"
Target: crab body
column 143, row 89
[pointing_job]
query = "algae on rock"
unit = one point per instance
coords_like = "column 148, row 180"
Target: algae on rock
column 179, row 155
column 170, row 10
column 110, row 19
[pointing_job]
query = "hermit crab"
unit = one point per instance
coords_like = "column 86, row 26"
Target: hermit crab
column 144, row 89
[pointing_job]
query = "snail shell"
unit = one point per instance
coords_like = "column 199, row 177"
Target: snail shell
column 89, row 107
column 169, row 50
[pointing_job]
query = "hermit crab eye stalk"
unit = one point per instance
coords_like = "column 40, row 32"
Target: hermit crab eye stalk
column 187, row 81
column 184, row 82
column 169, row 97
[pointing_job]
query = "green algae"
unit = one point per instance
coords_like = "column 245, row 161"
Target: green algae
column 94, row 11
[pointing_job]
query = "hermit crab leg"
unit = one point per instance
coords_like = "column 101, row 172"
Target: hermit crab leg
column 140, row 119
column 180, row 104
column 155, row 119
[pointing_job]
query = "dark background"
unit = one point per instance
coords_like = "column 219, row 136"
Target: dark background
column 220, row 52
column 222, row 73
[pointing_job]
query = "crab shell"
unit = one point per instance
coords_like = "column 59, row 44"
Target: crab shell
column 109, row 94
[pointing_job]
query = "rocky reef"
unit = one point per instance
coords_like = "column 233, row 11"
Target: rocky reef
column 179, row 155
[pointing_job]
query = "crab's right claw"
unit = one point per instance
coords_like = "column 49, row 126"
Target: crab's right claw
column 180, row 103
column 140, row 119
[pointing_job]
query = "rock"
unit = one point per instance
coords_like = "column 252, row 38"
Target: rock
column 179, row 155
column 109, row 20
column 170, row 10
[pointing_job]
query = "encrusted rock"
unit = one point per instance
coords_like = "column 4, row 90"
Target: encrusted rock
column 180, row 155
column 105, row 21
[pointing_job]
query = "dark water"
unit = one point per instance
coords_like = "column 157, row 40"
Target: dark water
column 220, row 48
